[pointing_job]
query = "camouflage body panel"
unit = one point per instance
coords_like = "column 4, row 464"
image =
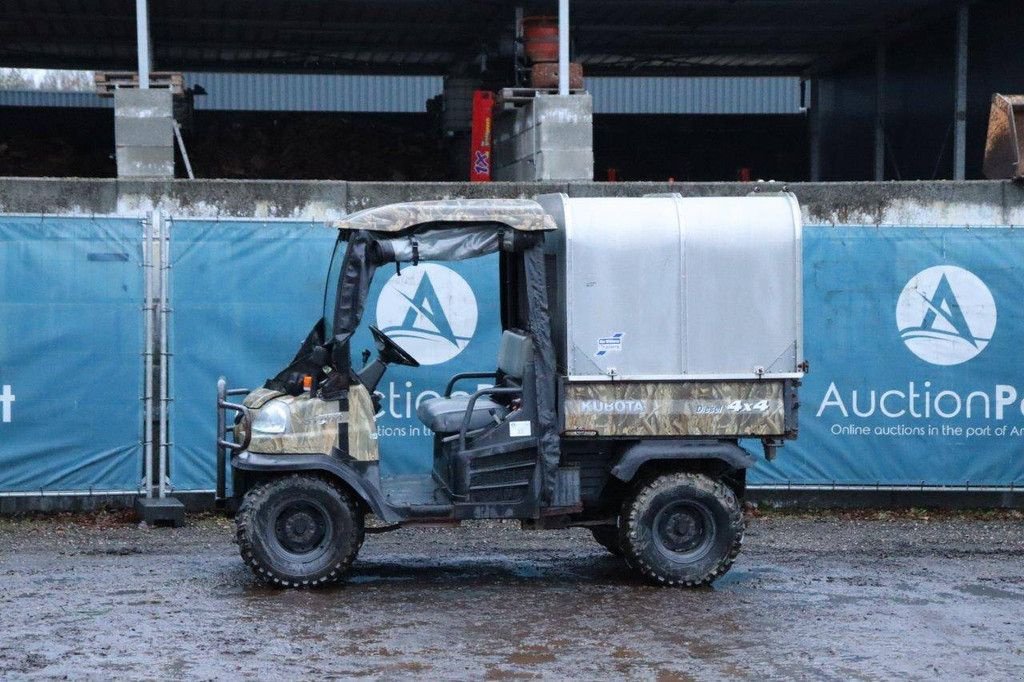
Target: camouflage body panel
column 258, row 398
column 312, row 426
column 362, row 425
column 520, row 214
column 674, row 408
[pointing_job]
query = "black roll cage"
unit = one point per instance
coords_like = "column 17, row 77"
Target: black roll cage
column 524, row 304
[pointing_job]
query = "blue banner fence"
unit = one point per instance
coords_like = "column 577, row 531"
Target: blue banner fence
column 71, row 340
column 910, row 333
column 910, row 383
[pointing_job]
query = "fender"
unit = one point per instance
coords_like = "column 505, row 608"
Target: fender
column 250, row 461
column 727, row 452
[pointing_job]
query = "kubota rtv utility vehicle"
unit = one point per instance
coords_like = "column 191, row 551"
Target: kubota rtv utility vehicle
column 643, row 339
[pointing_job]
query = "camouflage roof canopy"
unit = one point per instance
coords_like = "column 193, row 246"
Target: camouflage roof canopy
column 524, row 215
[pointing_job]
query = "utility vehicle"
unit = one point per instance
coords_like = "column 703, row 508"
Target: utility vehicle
column 643, row 340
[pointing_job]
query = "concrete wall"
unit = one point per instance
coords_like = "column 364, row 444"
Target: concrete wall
column 974, row 203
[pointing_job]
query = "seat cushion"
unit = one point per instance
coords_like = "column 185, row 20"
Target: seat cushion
column 514, row 353
column 444, row 415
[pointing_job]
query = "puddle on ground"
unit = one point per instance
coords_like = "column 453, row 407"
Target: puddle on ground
column 991, row 592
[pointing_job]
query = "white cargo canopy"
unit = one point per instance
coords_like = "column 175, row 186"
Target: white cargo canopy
column 663, row 288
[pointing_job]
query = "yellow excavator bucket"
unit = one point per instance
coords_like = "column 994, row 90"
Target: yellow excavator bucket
column 1004, row 144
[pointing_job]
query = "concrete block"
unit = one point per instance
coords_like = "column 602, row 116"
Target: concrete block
column 562, row 135
column 559, row 127
column 573, row 164
column 133, row 103
column 144, row 132
column 514, row 148
column 145, row 162
column 571, row 108
column 160, row 511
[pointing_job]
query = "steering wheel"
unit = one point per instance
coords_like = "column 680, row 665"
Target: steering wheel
column 391, row 352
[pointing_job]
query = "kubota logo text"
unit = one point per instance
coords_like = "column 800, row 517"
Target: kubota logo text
column 430, row 311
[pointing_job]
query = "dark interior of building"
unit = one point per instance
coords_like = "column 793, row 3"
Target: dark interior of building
column 397, row 147
column 834, row 47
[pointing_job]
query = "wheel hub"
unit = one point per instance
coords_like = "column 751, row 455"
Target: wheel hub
column 684, row 528
column 301, row 528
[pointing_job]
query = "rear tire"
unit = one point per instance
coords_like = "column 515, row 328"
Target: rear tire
column 607, row 537
column 681, row 529
column 299, row 531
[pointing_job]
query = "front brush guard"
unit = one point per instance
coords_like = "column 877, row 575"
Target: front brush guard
column 223, row 444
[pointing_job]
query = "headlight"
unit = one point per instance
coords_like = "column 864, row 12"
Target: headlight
column 271, row 418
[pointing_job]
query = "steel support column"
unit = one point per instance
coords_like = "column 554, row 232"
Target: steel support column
column 142, row 42
column 814, row 129
column 563, row 47
column 960, row 96
column 880, row 111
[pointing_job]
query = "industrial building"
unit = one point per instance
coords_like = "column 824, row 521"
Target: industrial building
column 791, row 90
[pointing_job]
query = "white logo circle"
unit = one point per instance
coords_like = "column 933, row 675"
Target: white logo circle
column 429, row 310
column 946, row 315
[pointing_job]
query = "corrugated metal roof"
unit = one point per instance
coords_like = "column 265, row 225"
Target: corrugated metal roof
column 625, row 95
column 316, row 92
column 271, row 92
column 46, row 98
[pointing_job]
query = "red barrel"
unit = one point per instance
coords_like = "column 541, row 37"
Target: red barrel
column 540, row 38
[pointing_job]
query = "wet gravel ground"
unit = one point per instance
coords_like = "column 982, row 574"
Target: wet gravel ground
column 826, row 597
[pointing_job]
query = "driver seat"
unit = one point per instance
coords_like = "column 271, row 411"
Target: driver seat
column 445, row 415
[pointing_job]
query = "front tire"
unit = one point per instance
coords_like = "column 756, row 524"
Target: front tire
column 681, row 529
column 299, row 531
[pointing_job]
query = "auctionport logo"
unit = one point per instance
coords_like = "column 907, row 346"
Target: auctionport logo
column 946, row 315
column 430, row 311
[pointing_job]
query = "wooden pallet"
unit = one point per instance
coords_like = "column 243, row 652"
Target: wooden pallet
column 107, row 82
column 509, row 98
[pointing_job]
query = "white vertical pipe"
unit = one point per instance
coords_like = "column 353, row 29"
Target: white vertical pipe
column 147, row 352
column 142, row 41
column 520, row 58
column 960, row 97
column 563, row 47
column 880, row 111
